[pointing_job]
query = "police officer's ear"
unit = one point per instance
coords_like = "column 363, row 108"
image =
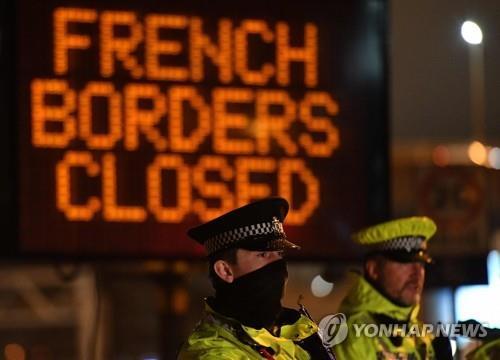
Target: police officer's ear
column 372, row 268
column 223, row 270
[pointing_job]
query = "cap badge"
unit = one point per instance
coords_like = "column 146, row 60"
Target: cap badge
column 277, row 226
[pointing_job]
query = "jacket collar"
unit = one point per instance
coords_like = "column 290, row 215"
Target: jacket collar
column 297, row 331
column 363, row 297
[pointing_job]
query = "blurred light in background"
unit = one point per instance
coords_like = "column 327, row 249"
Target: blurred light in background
column 480, row 302
column 320, row 287
column 150, row 357
column 471, row 33
column 14, row 352
column 494, row 158
column 477, row 153
column 454, row 346
column 439, row 304
column 441, row 155
column 494, row 268
column 477, row 302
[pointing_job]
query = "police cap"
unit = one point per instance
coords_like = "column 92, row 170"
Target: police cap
column 402, row 240
column 256, row 226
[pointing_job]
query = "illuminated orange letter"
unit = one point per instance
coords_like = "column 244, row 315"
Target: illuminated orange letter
column 120, row 47
column 144, row 120
column 96, row 89
column 319, row 124
column 245, row 167
column 155, row 193
column 212, row 189
column 200, row 45
column 74, row 159
column 286, row 54
column 157, row 48
column 64, row 41
column 274, row 126
column 287, row 168
column 43, row 113
column 224, row 121
column 251, row 77
column 111, row 210
column 178, row 96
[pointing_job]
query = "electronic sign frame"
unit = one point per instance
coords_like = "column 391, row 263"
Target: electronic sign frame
column 130, row 122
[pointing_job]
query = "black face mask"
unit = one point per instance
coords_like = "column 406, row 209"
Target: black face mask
column 253, row 299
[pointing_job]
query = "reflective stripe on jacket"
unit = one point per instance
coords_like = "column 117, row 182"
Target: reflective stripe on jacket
column 488, row 351
column 362, row 307
column 219, row 338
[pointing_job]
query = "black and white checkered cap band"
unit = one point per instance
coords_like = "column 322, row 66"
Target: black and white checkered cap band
column 408, row 243
column 227, row 239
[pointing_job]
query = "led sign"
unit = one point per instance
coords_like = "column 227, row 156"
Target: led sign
column 138, row 121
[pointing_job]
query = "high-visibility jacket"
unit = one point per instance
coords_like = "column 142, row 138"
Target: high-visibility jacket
column 217, row 337
column 488, row 351
column 363, row 306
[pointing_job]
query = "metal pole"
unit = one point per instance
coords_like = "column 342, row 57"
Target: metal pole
column 477, row 91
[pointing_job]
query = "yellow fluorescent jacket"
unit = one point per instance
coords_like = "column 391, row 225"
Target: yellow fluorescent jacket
column 214, row 339
column 360, row 306
column 488, row 350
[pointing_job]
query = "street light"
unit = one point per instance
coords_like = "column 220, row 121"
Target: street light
column 471, row 32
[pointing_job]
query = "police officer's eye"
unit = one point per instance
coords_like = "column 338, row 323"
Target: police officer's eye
column 262, row 254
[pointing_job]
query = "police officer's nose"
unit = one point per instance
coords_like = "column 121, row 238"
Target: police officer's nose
column 417, row 268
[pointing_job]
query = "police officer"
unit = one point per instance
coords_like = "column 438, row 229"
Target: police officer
column 245, row 319
column 489, row 350
column 489, row 338
column 389, row 292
